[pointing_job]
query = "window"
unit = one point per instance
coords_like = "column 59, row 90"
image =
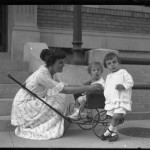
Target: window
column 3, row 28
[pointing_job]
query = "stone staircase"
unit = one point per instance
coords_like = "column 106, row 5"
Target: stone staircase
column 8, row 88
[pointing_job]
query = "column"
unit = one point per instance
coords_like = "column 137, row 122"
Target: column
column 25, row 15
column 24, row 29
column 77, row 35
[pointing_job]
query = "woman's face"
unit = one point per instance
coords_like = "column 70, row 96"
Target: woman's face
column 58, row 65
column 113, row 64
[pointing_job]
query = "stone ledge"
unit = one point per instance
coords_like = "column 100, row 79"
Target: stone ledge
column 138, row 116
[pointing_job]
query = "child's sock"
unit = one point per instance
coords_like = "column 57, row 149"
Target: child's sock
column 115, row 130
column 111, row 128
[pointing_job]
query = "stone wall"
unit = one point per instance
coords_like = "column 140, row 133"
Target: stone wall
column 125, row 30
column 96, row 19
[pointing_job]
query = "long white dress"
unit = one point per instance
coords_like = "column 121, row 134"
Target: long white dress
column 115, row 98
column 34, row 119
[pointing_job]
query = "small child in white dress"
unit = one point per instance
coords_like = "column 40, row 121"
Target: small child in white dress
column 95, row 69
column 117, row 92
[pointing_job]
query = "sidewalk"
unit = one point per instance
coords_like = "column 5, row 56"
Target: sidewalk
column 75, row 137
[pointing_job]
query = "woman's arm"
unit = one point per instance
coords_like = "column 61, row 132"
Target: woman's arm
column 87, row 82
column 55, row 87
column 75, row 89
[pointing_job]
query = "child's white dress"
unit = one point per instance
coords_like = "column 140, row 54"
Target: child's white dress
column 118, row 99
column 34, row 119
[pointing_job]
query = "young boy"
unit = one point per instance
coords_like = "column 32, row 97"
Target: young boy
column 117, row 92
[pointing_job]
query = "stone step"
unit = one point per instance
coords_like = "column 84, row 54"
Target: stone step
column 18, row 75
column 5, row 106
column 140, row 73
column 138, row 115
column 14, row 66
column 5, row 124
column 8, row 90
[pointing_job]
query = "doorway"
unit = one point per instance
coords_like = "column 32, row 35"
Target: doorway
column 3, row 28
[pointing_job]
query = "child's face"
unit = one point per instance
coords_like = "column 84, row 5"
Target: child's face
column 113, row 64
column 96, row 72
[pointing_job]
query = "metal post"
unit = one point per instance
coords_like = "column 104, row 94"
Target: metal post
column 77, row 35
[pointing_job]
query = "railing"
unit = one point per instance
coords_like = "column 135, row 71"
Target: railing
column 136, row 61
column 141, row 86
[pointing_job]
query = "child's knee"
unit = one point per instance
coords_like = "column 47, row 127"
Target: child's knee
column 117, row 117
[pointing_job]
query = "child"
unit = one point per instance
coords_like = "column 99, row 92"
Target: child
column 117, row 92
column 95, row 69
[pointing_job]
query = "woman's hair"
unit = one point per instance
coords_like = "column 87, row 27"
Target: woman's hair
column 110, row 56
column 50, row 56
column 93, row 64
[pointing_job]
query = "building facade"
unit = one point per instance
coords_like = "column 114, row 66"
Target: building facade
column 103, row 26
column 124, row 28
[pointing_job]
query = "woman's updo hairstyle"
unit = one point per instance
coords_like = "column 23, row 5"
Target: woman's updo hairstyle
column 50, row 56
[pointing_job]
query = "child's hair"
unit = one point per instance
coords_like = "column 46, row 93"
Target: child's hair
column 94, row 63
column 110, row 56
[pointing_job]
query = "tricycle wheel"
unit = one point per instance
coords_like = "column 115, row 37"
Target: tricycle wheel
column 87, row 116
column 100, row 123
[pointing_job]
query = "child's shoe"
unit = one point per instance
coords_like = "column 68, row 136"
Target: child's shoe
column 113, row 138
column 75, row 115
column 104, row 137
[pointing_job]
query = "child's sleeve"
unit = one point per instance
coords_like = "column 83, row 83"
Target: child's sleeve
column 101, row 81
column 128, row 81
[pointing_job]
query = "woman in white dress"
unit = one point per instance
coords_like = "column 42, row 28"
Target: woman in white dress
column 117, row 92
column 32, row 118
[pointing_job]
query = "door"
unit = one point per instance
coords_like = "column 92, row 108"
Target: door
column 3, row 28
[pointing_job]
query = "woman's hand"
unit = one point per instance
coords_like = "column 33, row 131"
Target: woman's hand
column 96, row 87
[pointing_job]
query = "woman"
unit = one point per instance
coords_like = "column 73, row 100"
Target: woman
column 35, row 120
